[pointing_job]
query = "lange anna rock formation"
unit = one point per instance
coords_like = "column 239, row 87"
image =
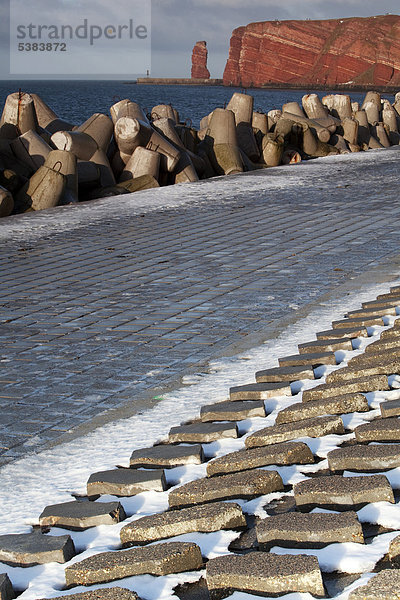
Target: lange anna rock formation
column 362, row 51
column 199, row 61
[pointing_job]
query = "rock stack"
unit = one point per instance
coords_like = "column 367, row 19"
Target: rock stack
column 45, row 161
column 199, row 61
column 299, row 480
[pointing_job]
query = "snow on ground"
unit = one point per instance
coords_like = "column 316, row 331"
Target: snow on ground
column 50, row 477
column 218, row 190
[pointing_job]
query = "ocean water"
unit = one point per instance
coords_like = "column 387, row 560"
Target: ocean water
column 76, row 101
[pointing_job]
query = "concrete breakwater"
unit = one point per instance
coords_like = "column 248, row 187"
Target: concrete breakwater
column 46, row 161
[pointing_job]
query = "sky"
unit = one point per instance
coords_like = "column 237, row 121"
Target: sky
column 177, row 24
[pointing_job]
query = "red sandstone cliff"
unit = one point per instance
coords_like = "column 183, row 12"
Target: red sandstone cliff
column 359, row 50
column 199, row 61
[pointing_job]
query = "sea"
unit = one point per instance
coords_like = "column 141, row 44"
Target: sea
column 76, row 101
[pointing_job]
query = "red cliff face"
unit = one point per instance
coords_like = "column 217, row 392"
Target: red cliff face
column 358, row 50
column 199, row 61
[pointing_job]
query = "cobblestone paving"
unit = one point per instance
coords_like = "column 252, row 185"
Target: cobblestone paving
column 94, row 316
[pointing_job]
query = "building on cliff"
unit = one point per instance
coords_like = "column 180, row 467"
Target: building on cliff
column 358, row 51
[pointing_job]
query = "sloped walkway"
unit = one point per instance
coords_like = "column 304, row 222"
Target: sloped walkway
column 106, row 305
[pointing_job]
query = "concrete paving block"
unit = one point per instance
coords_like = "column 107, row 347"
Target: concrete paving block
column 263, row 574
column 113, row 593
column 202, row 432
column 391, row 408
column 346, row 332
column 287, row 453
column 376, row 457
column 395, row 301
column 348, row 373
column 390, row 295
column 284, row 374
column 337, row 405
column 204, row 519
column 372, row 312
column 392, row 333
column 394, row 550
column 6, row 588
column 167, row 456
column 357, row 322
column 311, row 359
column 82, row 515
column 236, row 485
column 259, row 391
column 379, row 430
column 125, row 482
column 326, row 345
column 232, row 411
column 160, row 559
column 342, row 493
column 391, row 345
column 383, row 586
column 308, row 530
column 363, row 384
column 374, row 356
column 27, row 549
column 314, row 428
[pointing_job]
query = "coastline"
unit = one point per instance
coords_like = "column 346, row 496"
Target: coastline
column 306, row 86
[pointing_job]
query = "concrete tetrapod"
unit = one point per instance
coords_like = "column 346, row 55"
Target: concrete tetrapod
column 31, row 149
column 294, row 108
column 339, row 105
column 163, row 111
column 100, row 159
column 389, row 117
column 350, row 131
column 272, row 150
column 6, row 202
column 184, row 170
column 142, row 162
column 372, row 112
column 222, row 141
column 372, row 96
column 260, row 122
column 313, row 107
column 65, row 161
column 47, row 118
column 131, row 133
column 242, row 107
column 381, row 135
column 100, row 127
column 45, row 189
column 322, row 132
column 81, row 144
column 19, row 115
column 127, row 108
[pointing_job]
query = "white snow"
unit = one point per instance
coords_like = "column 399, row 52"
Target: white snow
column 30, row 484
column 347, row 557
